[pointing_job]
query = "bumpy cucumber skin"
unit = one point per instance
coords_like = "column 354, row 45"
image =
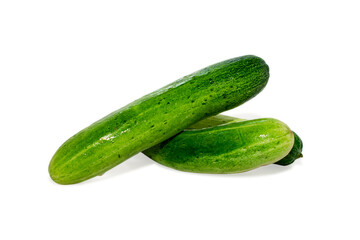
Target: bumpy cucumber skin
column 229, row 148
column 295, row 153
column 156, row 117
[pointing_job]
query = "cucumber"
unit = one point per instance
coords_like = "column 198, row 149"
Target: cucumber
column 295, row 153
column 225, row 146
column 156, row 117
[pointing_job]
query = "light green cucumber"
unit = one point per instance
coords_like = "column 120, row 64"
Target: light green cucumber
column 225, row 145
column 157, row 117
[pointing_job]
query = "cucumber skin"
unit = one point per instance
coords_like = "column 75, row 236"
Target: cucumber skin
column 233, row 147
column 295, row 153
column 156, row 117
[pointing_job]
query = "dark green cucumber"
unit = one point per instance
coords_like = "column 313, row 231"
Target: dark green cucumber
column 218, row 145
column 157, row 117
column 295, row 153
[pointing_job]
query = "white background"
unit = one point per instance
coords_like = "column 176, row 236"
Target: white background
column 65, row 64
